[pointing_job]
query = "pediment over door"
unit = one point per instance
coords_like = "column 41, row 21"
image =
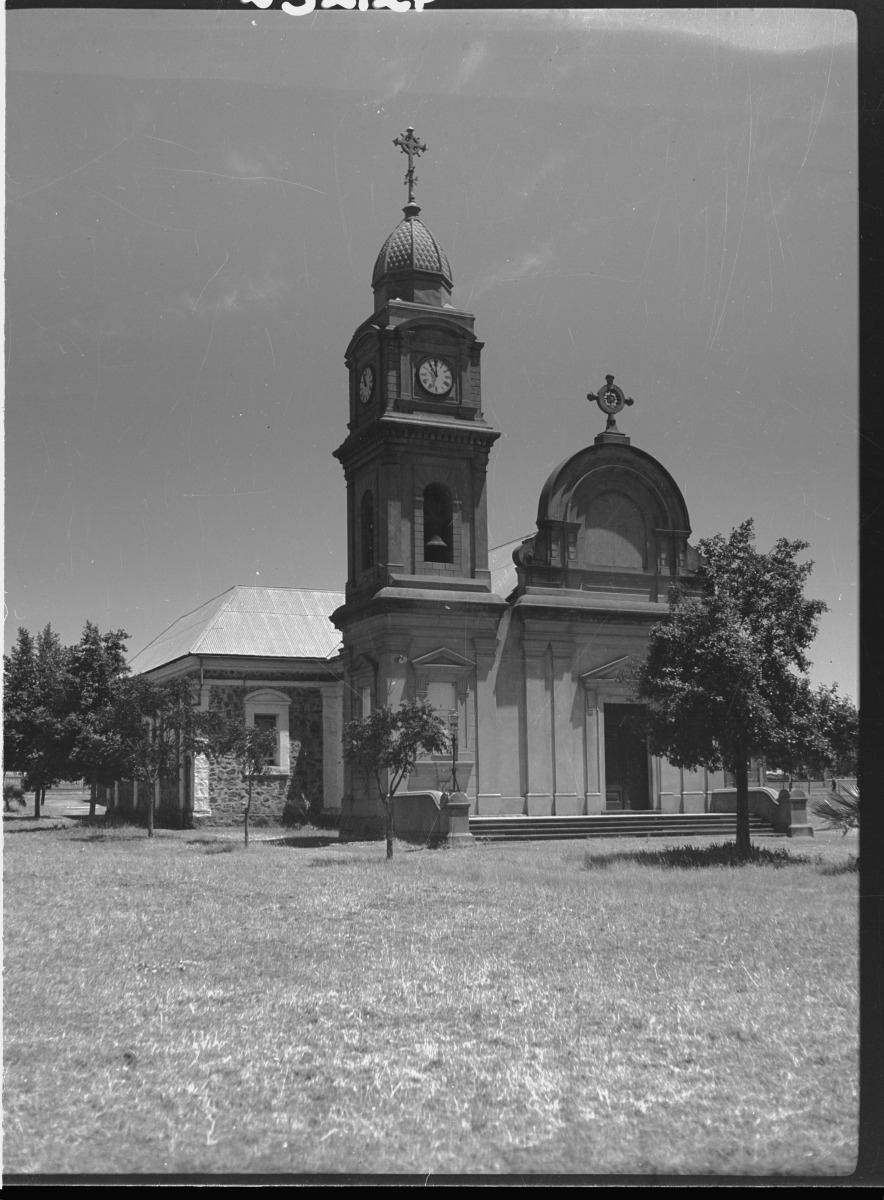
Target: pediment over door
column 443, row 657
column 614, row 671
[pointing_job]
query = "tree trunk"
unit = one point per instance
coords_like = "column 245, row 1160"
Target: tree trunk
column 248, row 808
column 741, row 778
column 93, row 795
column 388, row 805
column 151, row 803
column 38, row 794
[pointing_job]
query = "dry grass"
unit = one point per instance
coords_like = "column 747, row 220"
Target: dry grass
column 311, row 1008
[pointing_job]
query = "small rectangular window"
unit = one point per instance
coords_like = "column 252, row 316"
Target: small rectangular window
column 268, row 721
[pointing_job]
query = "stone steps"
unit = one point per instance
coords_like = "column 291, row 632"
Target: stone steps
column 638, row 824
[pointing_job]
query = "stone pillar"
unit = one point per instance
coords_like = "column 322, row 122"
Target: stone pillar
column 352, row 532
column 392, row 675
column 538, row 727
column 480, row 517
column 567, row 739
column 201, row 807
column 594, row 740
column 455, row 814
column 332, row 755
column 389, row 494
column 794, row 806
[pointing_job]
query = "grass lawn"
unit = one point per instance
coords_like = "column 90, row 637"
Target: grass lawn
column 186, row 1005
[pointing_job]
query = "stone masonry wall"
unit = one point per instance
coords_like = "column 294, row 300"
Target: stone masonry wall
column 228, row 789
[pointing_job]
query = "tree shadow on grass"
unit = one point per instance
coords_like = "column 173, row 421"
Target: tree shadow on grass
column 305, row 842
column 17, row 827
column 851, row 867
column 692, row 857
column 100, row 835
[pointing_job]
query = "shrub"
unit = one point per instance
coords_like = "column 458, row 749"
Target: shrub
column 838, row 809
column 12, row 796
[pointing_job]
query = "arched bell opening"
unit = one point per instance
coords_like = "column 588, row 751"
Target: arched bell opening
column 438, row 524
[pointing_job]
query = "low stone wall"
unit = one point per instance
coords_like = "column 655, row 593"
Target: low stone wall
column 437, row 818
column 763, row 803
column 786, row 812
column 416, row 815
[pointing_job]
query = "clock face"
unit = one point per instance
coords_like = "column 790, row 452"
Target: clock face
column 366, row 385
column 435, row 376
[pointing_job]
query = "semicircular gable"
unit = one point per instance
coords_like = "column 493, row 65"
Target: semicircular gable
column 605, row 468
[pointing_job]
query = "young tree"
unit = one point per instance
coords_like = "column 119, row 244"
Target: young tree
column 725, row 676
column 250, row 746
column 97, row 666
column 389, row 742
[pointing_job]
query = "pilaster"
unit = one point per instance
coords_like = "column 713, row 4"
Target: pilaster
column 567, row 736
column 332, row 757
column 538, row 726
column 487, row 660
column 594, row 741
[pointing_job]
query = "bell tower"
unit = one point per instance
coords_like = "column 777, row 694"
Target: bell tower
column 416, row 455
column 415, row 461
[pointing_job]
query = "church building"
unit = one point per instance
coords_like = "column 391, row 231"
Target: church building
column 528, row 660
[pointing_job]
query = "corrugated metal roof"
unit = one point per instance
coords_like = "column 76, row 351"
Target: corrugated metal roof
column 250, row 621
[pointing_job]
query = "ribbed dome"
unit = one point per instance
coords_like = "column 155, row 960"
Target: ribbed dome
column 411, row 247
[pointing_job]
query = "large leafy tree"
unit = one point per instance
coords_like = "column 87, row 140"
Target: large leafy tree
column 725, row 676
column 19, row 701
column 97, row 666
column 387, row 744
column 36, row 708
column 159, row 724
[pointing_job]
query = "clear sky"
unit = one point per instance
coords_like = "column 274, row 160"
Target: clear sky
column 195, row 201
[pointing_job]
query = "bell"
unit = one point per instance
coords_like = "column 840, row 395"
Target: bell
column 437, row 541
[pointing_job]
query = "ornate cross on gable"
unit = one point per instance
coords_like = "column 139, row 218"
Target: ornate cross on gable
column 610, row 400
column 410, row 145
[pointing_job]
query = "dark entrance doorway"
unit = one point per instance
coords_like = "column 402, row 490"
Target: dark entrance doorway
column 626, row 758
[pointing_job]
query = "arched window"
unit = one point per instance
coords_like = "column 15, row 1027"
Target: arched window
column 366, row 531
column 438, row 525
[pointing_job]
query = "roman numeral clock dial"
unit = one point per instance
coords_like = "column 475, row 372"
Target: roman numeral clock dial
column 434, row 376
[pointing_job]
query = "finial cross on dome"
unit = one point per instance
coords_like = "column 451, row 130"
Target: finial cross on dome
column 410, row 145
column 610, row 400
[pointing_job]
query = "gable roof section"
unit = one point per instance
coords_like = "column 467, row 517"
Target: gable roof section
column 254, row 622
